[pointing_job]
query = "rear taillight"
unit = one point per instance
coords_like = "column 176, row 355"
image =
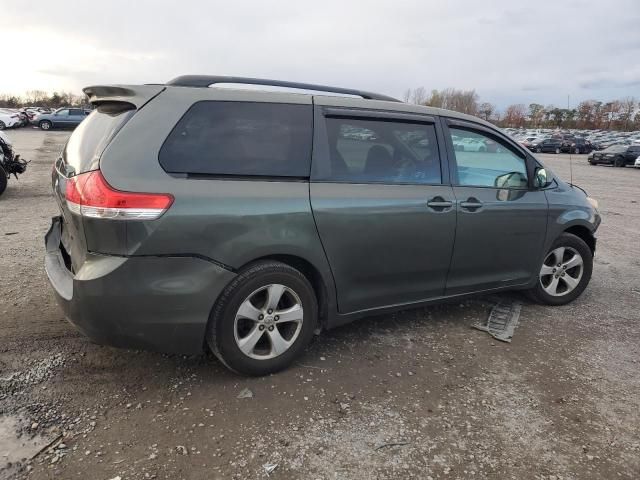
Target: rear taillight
column 90, row 195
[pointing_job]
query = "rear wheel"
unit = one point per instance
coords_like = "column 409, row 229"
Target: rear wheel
column 3, row 180
column 618, row 162
column 264, row 319
column 2, row 125
column 45, row 125
column 565, row 271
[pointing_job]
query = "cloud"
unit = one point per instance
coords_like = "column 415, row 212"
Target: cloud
column 506, row 52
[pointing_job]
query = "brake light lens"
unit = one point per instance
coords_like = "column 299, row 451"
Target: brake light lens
column 90, row 195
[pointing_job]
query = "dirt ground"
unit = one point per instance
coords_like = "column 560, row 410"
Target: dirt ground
column 417, row 394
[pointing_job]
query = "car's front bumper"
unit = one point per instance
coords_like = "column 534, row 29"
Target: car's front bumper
column 159, row 303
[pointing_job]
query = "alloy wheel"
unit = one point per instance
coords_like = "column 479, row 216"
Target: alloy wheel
column 268, row 322
column 561, row 271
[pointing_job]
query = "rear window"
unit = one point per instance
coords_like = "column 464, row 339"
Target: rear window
column 88, row 141
column 241, row 138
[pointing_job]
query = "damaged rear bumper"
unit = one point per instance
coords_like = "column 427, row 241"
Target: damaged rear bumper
column 159, row 303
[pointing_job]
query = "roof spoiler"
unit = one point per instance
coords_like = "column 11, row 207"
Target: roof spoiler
column 135, row 95
column 204, row 81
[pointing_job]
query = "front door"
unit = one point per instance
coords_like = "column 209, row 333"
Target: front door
column 385, row 216
column 502, row 222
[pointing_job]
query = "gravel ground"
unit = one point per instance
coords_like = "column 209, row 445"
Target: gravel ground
column 416, row 394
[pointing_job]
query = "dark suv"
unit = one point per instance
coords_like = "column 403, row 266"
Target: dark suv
column 576, row 145
column 248, row 220
column 549, row 145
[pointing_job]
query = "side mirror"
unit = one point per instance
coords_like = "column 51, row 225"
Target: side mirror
column 511, row 180
column 541, row 179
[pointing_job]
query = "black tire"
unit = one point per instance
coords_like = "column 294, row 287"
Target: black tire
column 221, row 336
column 539, row 295
column 618, row 162
column 538, row 150
column 2, row 125
column 45, row 125
column 3, row 180
column 577, row 151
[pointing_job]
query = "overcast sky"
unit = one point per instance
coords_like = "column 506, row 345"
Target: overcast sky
column 509, row 52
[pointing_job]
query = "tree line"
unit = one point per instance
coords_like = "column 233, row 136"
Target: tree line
column 622, row 114
column 40, row 98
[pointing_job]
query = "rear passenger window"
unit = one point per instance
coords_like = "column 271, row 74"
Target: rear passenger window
column 241, row 138
column 377, row 151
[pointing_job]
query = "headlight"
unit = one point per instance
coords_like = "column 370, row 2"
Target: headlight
column 593, row 202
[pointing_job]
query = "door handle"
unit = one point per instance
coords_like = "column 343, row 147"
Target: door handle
column 472, row 204
column 439, row 204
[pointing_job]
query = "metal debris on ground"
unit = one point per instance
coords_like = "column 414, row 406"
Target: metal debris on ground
column 502, row 321
column 245, row 393
column 269, row 467
column 391, row 444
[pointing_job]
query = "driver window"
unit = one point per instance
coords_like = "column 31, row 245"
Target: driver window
column 376, row 151
column 483, row 161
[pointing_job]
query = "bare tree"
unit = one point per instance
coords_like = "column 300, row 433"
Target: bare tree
column 515, row 115
column 536, row 113
column 627, row 107
column 486, row 109
column 464, row 101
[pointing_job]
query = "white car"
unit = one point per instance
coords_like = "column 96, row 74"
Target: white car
column 8, row 119
column 637, row 163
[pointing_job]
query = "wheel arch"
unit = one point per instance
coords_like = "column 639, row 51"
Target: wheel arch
column 584, row 234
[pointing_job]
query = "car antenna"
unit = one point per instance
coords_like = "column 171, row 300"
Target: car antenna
column 570, row 154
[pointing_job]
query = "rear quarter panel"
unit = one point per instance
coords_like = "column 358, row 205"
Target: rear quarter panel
column 230, row 221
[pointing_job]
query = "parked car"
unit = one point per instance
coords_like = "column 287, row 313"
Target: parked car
column 206, row 218
column 576, row 145
column 61, row 118
column 616, row 155
column 8, row 119
column 549, row 145
column 637, row 163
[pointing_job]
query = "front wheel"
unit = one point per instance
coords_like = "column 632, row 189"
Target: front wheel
column 618, row 162
column 264, row 319
column 565, row 271
column 45, row 125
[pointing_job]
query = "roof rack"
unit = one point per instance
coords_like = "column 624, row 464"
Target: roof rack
column 203, row 81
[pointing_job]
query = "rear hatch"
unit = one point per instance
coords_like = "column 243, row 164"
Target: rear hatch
column 114, row 107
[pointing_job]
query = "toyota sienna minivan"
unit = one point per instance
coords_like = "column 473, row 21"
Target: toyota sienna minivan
column 246, row 220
